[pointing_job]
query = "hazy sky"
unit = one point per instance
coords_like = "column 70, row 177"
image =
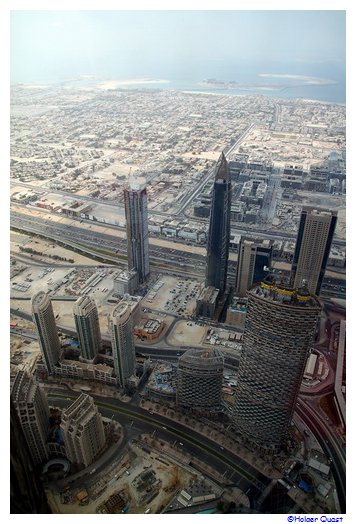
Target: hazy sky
column 161, row 44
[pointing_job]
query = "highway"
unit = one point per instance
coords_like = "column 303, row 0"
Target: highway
column 82, row 233
column 190, row 197
column 110, row 248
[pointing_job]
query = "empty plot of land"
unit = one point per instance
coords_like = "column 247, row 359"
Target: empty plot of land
column 187, row 334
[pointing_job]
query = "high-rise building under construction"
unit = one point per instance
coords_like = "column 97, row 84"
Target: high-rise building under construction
column 315, row 234
column 219, row 228
column 279, row 330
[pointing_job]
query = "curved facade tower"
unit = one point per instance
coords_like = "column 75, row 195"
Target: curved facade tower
column 87, row 326
column 135, row 198
column 219, row 228
column 43, row 318
column 279, row 330
column 200, row 375
column 122, row 343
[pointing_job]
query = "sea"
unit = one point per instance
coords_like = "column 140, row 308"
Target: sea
column 324, row 82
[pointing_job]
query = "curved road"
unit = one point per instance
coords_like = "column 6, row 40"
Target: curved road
column 242, row 474
column 329, row 445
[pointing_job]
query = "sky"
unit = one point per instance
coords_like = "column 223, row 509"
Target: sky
column 53, row 45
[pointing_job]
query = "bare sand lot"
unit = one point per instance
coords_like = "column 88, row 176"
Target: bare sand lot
column 47, row 248
column 185, row 335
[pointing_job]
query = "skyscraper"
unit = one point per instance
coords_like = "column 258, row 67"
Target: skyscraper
column 219, row 228
column 122, row 342
column 83, row 429
column 279, row 330
column 32, row 409
column 315, row 234
column 26, row 491
column 254, row 258
column 87, row 326
column 200, row 376
column 135, row 198
column 43, row 318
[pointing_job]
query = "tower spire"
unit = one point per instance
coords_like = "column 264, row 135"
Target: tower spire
column 222, row 169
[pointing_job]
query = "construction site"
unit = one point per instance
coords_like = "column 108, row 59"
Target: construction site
column 149, row 477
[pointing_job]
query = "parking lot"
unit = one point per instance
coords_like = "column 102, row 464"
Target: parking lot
column 173, row 295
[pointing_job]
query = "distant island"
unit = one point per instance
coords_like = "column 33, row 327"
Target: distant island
column 290, row 81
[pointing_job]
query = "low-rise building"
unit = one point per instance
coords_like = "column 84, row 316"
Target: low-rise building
column 86, row 371
column 236, row 312
column 149, row 329
column 161, row 386
column 309, row 372
column 75, row 208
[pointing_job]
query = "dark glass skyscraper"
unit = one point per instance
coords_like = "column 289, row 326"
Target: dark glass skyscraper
column 219, row 228
column 315, row 234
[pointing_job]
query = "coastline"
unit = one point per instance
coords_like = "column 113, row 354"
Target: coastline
column 162, row 84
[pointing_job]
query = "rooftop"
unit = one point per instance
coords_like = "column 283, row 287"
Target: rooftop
column 318, row 211
column 39, row 298
column 272, row 291
column 208, row 294
column 121, row 310
column 83, row 305
column 137, row 184
column 150, row 325
column 239, row 304
column 81, row 409
column 126, row 275
column 206, row 358
column 23, row 387
column 163, row 378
